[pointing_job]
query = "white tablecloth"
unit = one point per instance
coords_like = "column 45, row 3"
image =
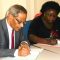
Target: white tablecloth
column 32, row 56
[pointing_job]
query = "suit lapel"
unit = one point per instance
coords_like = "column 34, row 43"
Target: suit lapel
column 16, row 39
column 5, row 31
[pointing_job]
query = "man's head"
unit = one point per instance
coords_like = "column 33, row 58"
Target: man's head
column 16, row 16
column 50, row 10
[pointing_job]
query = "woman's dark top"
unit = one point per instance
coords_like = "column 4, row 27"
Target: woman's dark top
column 38, row 28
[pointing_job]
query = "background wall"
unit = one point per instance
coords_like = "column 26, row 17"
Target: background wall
column 5, row 4
column 38, row 4
column 32, row 6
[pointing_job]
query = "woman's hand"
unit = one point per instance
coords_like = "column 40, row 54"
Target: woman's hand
column 53, row 42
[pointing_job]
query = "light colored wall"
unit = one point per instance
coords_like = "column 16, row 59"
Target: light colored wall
column 5, row 4
column 32, row 6
column 0, row 9
column 39, row 3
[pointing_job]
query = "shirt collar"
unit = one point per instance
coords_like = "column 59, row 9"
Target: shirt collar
column 8, row 26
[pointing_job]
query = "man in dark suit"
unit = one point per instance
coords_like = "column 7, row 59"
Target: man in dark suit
column 14, row 20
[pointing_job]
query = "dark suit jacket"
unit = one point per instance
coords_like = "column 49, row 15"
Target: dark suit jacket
column 4, row 40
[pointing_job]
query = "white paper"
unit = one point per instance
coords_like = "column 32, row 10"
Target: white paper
column 32, row 56
column 51, row 48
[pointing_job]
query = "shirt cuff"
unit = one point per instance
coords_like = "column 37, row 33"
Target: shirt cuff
column 16, row 53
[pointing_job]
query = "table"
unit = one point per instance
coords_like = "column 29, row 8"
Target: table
column 44, row 55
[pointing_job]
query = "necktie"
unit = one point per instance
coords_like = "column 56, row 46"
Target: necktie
column 12, row 38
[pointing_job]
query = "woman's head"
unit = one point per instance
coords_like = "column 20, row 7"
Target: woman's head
column 50, row 11
column 50, row 5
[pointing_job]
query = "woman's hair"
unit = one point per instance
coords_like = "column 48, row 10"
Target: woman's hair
column 50, row 5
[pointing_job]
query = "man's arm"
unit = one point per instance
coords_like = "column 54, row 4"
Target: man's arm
column 7, row 52
column 4, row 51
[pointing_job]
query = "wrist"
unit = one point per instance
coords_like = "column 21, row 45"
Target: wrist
column 24, row 42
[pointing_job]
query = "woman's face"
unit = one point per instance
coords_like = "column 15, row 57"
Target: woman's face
column 50, row 15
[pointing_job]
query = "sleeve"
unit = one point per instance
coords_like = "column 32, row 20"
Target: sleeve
column 7, row 52
column 57, row 24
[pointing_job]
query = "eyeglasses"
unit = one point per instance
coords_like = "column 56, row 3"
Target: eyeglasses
column 19, row 21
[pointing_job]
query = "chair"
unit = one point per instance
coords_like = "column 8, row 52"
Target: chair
column 26, row 28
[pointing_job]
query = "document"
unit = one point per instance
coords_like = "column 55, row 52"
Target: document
column 52, row 48
column 32, row 56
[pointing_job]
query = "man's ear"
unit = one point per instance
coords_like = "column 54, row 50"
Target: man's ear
column 10, row 16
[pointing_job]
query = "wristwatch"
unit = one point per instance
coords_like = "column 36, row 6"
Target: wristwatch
column 24, row 42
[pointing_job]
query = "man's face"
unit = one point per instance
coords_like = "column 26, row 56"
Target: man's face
column 18, row 22
column 50, row 15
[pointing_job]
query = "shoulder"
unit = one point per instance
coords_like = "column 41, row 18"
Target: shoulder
column 57, row 20
column 37, row 19
column 57, row 23
column 2, row 20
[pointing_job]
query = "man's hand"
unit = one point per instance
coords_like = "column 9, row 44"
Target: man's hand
column 23, row 50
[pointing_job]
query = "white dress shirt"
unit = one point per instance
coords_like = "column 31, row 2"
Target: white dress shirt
column 10, row 32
